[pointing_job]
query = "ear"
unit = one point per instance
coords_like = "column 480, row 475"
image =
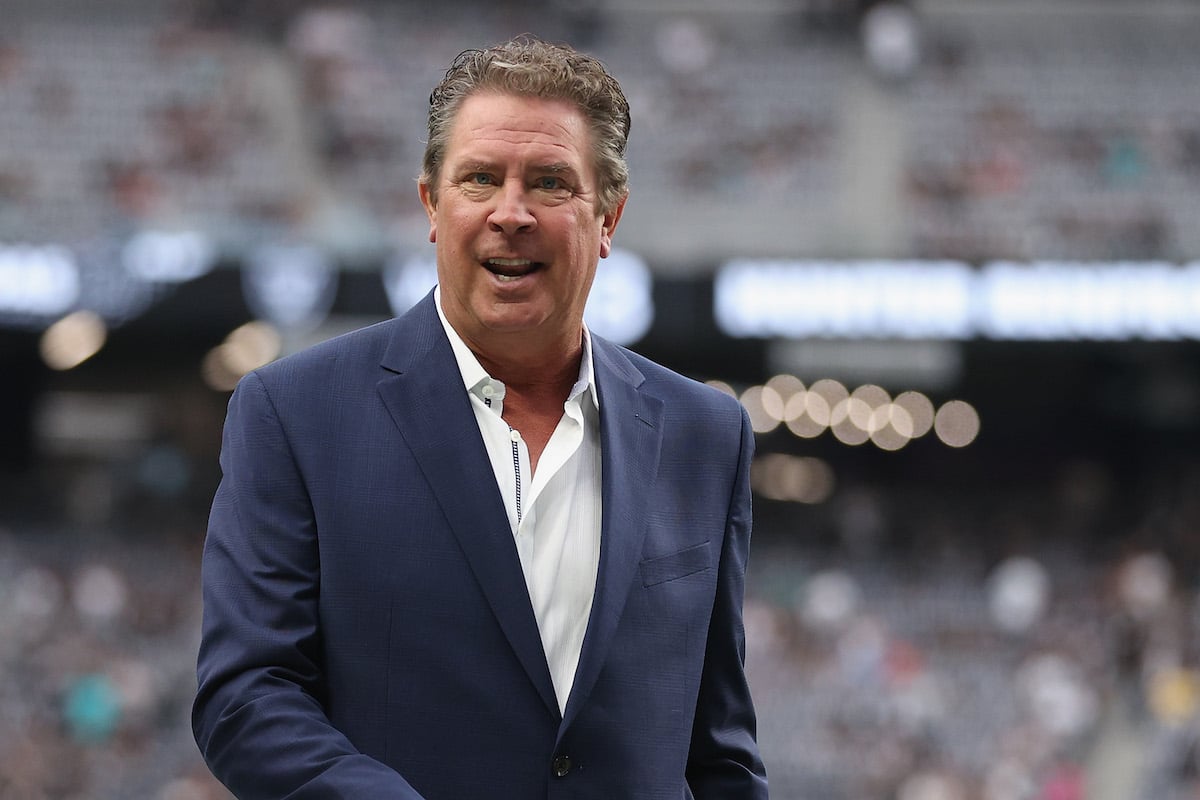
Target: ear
column 609, row 226
column 430, row 204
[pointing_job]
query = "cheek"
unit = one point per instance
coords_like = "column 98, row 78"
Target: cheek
column 453, row 230
column 590, row 235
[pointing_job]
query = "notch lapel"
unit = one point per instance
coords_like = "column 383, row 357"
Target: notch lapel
column 630, row 442
column 433, row 413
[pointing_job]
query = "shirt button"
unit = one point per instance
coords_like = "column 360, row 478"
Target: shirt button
column 562, row 765
column 514, row 434
column 488, row 390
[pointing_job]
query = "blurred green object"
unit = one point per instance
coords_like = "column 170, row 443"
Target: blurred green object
column 92, row 708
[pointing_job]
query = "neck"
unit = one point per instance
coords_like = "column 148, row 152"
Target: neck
column 535, row 390
column 531, row 363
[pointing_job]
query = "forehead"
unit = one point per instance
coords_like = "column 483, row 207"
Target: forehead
column 492, row 124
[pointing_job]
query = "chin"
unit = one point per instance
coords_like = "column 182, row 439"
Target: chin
column 512, row 322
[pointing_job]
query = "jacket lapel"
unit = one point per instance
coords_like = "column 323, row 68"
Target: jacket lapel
column 425, row 398
column 630, row 440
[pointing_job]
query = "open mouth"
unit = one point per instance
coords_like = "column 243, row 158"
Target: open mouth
column 511, row 269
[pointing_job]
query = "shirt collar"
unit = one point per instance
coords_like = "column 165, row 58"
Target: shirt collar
column 475, row 376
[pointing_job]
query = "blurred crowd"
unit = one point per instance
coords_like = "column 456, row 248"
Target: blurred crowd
column 99, row 634
column 902, row 644
column 1060, row 135
column 1072, row 138
column 1032, row 643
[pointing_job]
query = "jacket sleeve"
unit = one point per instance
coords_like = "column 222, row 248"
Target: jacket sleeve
column 259, row 715
column 724, row 762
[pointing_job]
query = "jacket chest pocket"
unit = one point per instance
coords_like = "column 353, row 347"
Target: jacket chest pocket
column 673, row 566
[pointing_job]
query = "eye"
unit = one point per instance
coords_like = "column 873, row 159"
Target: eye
column 480, row 179
column 550, row 183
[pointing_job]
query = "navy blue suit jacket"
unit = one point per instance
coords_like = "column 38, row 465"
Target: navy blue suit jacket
column 367, row 631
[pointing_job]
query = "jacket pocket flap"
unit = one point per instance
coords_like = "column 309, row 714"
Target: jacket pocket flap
column 688, row 561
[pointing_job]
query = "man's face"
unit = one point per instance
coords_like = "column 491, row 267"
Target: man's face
column 515, row 220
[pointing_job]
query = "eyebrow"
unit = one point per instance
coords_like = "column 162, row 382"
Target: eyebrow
column 476, row 166
column 555, row 167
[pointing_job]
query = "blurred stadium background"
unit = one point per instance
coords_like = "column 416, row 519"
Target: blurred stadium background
column 947, row 254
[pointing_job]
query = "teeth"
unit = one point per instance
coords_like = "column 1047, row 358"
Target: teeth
column 504, row 268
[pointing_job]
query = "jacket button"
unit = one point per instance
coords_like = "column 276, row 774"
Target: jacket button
column 562, row 765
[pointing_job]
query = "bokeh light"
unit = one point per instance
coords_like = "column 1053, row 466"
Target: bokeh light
column 956, row 423
column 890, row 427
column 797, row 479
column 722, row 386
column 73, row 340
column 245, row 349
column 786, row 386
column 849, row 420
column 866, row 413
column 920, row 411
column 807, row 414
column 764, row 407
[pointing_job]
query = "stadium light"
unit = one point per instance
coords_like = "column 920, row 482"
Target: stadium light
column 947, row 300
column 37, row 280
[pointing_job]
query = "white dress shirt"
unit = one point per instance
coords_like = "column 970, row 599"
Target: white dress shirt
column 554, row 513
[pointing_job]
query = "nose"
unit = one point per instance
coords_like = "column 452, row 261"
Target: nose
column 512, row 213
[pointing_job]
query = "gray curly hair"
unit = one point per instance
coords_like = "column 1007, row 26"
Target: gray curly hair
column 529, row 66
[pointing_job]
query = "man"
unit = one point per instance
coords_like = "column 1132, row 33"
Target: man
column 475, row 552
